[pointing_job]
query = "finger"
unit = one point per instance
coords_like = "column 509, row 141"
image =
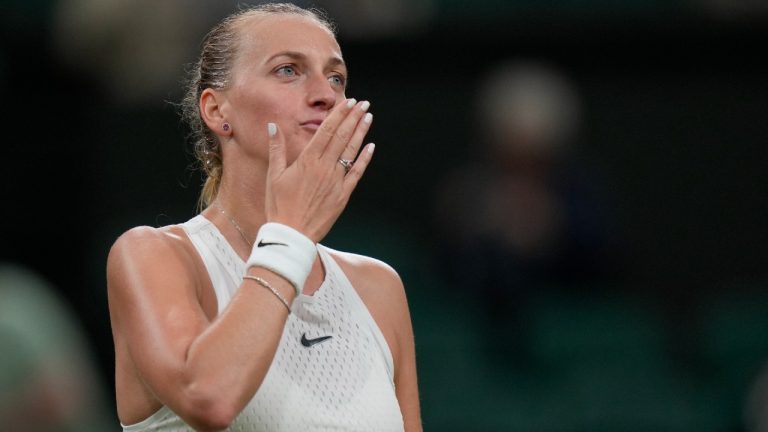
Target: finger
column 347, row 131
column 353, row 146
column 327, row 129
column 276, row 151
column 358, row 169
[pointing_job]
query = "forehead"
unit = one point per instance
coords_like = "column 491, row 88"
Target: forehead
column 263, row 36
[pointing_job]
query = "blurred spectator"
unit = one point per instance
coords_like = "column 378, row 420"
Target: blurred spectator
column 47, row 379
column 756, row 407
column 134, row 49
column 519, row 217
column 370, row 19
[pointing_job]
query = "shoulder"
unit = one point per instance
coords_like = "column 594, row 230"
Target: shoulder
column 369, row 274
column 147, row 240
column 144, row 248
column 382, row 292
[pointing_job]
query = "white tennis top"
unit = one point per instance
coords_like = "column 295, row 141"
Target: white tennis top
column 341, row 383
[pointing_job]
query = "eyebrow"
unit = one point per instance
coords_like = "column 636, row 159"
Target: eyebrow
column 333, row 61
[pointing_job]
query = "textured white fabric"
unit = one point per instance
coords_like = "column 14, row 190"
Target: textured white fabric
column 344, row 383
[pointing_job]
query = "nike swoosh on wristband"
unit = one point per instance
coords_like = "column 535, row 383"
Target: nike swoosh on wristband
column 262, row 243
column 309, row 342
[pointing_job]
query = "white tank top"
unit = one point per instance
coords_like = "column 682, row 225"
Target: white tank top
column 341, row 383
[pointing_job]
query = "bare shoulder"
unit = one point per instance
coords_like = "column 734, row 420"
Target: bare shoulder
column 147, row 250
column 145, row 240
column 369, row 274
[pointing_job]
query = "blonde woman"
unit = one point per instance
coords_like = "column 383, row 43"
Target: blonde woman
column 238, row 319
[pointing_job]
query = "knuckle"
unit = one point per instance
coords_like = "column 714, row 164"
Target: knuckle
column 326, row 130
column 355, row 174
column 343, row 134
column 304, row 164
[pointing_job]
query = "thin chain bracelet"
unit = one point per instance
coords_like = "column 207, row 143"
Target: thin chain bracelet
column 266, row 285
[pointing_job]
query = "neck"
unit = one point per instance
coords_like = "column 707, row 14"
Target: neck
column 241, row 197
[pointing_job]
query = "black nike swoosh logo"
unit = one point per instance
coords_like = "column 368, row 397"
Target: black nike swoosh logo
column 309, row 342
column 262, row 243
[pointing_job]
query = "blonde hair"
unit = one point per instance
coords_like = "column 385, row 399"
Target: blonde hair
column 214, row 70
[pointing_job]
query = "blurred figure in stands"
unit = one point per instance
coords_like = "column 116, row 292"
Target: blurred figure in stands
column 518, row 218
column 47, row 378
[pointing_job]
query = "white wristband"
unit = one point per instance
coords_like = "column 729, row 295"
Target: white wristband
column 284, row 251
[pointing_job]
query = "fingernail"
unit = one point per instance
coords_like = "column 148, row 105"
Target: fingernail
column 368, row 118
column 351, row 102
column 364, row 106
column 371, row 146
column 271, row 129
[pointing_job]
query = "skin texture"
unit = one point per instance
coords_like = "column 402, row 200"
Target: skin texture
column 171, row 347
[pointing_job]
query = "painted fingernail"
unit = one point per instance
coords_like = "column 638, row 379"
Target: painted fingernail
column 371, row 146
column 351, row 102
column 271, row 129
column 368, row 118
column 364, row 106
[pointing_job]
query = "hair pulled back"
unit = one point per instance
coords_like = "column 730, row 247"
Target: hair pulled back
column 214, row 70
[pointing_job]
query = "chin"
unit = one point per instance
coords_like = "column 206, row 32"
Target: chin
column 309, row 132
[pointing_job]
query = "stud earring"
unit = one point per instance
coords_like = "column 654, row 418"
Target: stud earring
column 225, row 126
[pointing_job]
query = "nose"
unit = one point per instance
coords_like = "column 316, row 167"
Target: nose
column 321, row 93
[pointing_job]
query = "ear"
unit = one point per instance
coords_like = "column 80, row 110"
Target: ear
column 212, row 103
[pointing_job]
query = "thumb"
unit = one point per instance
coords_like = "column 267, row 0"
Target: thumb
column 276, row 150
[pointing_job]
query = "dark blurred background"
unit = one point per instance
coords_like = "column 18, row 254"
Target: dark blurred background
column 572, row 191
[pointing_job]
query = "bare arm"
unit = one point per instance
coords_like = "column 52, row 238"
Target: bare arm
column 405, row 372
column 205, row 371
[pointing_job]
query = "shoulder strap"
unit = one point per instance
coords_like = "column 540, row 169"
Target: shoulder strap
column 224, row 266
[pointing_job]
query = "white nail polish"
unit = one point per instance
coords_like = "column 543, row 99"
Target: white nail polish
column 271, row 129
column 351, row 103
column 364, row 106
column 368, row 118
column 371, row 147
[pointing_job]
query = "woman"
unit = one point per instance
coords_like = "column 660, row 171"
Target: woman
column 238, row 319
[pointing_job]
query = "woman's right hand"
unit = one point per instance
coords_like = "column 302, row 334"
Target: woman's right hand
column 310, row 194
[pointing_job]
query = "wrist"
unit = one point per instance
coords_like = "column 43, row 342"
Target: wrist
column 285, row 252
column 278, row 286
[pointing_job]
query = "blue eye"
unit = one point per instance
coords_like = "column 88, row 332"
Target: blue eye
column 337, row 80
column 286, row 70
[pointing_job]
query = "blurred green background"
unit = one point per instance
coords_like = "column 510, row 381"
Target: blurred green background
column 656, row 317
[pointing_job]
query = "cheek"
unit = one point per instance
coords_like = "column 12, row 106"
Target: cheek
column 253, row 105
column 296, row 141
column 276, row 111
column 253, row 116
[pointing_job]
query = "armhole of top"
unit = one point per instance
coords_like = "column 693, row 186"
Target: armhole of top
column 361, row 311
column 192, row 229
column 158, row 416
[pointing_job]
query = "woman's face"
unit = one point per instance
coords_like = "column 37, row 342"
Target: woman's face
column 289, row 70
